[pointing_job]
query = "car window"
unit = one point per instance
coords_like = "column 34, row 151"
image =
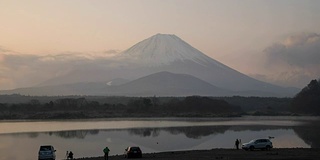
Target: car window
column 45, row 148
column 135, row 149
column 261, row 140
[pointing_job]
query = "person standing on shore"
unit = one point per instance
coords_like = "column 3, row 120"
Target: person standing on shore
column 106, row 153
column 70, row 156
column 237, row 143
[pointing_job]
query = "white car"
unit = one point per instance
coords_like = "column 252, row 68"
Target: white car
column 47, row 152
column 258, row 144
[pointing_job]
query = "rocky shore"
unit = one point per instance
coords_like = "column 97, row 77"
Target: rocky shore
column 229, row 154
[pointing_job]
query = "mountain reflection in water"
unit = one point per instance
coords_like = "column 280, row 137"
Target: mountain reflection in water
column 194, row 132
column 308, row 132
column 190, row 132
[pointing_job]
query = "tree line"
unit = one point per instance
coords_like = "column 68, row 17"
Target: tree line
column 307, row 101
column 135, row 107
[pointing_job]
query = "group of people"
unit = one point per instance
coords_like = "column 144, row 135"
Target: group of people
column 106, row 151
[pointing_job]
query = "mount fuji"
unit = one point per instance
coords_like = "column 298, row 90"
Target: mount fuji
column 161, row 53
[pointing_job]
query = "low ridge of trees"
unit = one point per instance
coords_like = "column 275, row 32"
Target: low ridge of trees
column 307, row 101
column 198, row 104
column 66, row 108
column 75, row 107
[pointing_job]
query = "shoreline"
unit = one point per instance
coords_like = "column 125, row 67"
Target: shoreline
column 229, row 154
column 246, row 116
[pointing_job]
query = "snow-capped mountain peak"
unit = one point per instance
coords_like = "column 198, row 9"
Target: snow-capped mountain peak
column 162, row 49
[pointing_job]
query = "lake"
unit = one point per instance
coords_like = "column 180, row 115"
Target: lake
column 20, row 140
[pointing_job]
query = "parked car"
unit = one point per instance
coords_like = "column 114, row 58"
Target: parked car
column 258, row 144
column 133, row 152
column 47, row 152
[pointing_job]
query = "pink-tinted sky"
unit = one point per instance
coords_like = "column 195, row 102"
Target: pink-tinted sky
column 272, row 40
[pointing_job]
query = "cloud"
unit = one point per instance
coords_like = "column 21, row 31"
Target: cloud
column 293, row 61
column 23, row 70
column 3, row 50
column 112, row 51
column 298, row 50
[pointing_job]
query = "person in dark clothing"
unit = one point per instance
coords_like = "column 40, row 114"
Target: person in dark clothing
column 106, row 153
column 70, row 156
column 237, row 143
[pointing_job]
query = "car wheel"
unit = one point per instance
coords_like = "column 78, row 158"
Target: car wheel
column 251, row 148
column 268, row 148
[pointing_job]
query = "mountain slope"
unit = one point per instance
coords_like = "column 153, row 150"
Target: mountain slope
column 167, row 84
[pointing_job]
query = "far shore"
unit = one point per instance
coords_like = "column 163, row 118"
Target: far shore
column 228, row 154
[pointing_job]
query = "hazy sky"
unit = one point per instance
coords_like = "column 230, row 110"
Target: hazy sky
column 273, row 40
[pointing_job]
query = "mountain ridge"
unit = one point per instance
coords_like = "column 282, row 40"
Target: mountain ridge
column 160, row 84
column 169, row 84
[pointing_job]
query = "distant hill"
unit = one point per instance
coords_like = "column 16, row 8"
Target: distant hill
column 167, row 84
column 159, row 84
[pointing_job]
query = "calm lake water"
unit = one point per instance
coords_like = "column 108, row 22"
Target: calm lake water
column 20, row 140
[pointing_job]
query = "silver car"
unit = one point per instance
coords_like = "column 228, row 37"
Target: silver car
column 47, row 152
column 258, row 144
